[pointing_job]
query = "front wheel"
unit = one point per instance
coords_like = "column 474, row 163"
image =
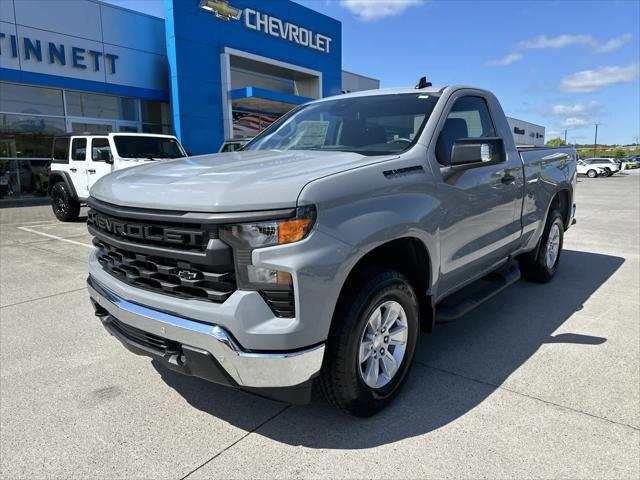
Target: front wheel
column 541, row 264
column 372, row 342
column 65, row 207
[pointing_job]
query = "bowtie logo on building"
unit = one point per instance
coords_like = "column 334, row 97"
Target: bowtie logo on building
column 221, row 9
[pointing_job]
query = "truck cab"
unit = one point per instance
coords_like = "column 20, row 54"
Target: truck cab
column 79, row 160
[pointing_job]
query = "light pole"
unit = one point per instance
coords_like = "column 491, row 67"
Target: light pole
column 565, row 136
column 595, row 142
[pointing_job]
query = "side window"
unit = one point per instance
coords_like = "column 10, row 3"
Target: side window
column 100, row 150
column 468, row 118
column 79, row 149
column 61, row 150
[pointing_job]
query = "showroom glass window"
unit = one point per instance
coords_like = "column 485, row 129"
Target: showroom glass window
column 156, row 117
column 29, row 119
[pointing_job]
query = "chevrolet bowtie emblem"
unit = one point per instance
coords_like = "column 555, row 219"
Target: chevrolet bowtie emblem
column 221, row 9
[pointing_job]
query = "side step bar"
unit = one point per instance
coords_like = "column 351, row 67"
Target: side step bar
column 472, row 296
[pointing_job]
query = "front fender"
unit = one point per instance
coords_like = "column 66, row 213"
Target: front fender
column 366, row 207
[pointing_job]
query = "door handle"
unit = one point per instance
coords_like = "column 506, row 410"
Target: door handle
column 507, row 179
column 73, row 169
column 91, row 171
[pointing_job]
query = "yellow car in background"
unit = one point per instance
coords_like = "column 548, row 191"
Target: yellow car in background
column 631, row 162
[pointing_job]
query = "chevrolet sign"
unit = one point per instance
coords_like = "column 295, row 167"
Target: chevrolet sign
column 221, row 9
column 273, row 26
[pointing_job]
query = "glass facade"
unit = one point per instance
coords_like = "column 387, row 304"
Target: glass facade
column 31, row 116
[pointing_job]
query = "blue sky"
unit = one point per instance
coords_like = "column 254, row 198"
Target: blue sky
column 563, row 64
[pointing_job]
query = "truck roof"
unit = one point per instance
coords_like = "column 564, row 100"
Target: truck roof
column 433, row 90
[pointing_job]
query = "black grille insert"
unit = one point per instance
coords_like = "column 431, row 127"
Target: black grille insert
column 148, row 340
column 281, row 302
column 165, row 275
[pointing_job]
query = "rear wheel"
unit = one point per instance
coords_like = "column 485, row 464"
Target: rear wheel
column 609, row 172
column 372, row 343
column 65, row 207
column 592, row 174
column 541, row 264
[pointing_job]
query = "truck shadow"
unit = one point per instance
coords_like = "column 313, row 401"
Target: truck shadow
column 456, row 368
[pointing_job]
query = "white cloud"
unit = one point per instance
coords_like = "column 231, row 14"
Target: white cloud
column 376, row 9
column 591, row 80
column 614, row 43
column 507, row 59
column 566, row 40
column 574, row 109
column 573, row 122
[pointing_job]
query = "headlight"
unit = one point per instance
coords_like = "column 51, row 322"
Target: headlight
column 279, row 232
column 274, row 285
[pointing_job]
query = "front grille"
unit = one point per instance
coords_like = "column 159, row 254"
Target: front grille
column 161, row 345
column 169, row 276
column 281, row 302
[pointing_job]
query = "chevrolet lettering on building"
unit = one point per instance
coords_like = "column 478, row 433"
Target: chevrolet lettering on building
column 275, row 27
column 265, row 23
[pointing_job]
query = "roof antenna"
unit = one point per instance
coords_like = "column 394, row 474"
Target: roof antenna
column 422, row 83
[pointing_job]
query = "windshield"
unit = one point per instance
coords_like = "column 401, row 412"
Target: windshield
column 133, row 146
column 370, row 125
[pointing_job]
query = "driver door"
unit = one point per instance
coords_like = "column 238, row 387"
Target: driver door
column 478, row 223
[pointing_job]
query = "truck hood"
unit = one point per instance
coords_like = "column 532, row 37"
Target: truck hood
column 225, row 182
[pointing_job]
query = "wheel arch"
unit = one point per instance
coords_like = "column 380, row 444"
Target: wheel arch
column 407, row 255
column 57, row 176
column 562, row 202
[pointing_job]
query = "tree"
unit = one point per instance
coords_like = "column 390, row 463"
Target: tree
column 620, row 153
column 555, row 142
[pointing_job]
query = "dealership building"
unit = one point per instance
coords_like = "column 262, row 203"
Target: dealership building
column 212, row 70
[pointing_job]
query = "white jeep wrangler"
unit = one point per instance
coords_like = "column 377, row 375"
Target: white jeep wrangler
column 79, row 160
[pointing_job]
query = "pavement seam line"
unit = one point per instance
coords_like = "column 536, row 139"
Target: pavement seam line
column 42, row 298
column 499, row 387
column 55, row 237
column 237, row 441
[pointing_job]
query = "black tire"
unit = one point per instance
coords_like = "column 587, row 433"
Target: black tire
column 534, row 265
column 65, row 207
column 340, row 379
column 592, row 173
column 609, row 172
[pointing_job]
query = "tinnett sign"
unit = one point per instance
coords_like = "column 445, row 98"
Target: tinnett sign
column 262, row 22
column 53, row 53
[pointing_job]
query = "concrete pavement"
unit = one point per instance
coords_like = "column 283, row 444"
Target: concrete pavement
column 543, row 381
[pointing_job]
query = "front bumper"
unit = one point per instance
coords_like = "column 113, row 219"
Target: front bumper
column 206, row 351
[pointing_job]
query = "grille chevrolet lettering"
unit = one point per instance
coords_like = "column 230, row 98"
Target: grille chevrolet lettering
column 152, row 233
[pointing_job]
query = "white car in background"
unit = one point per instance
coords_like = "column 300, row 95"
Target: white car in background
column 608, row 164
column 590, row 171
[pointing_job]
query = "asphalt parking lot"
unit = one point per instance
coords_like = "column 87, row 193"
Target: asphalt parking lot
column 543, row 381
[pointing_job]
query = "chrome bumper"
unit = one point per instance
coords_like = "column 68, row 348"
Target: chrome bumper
column 247, row 369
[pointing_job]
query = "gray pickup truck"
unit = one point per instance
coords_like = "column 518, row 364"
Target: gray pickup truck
column 320, row 251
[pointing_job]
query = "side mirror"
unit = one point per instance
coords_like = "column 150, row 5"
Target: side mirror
column 478, row 151
column 189, row 154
